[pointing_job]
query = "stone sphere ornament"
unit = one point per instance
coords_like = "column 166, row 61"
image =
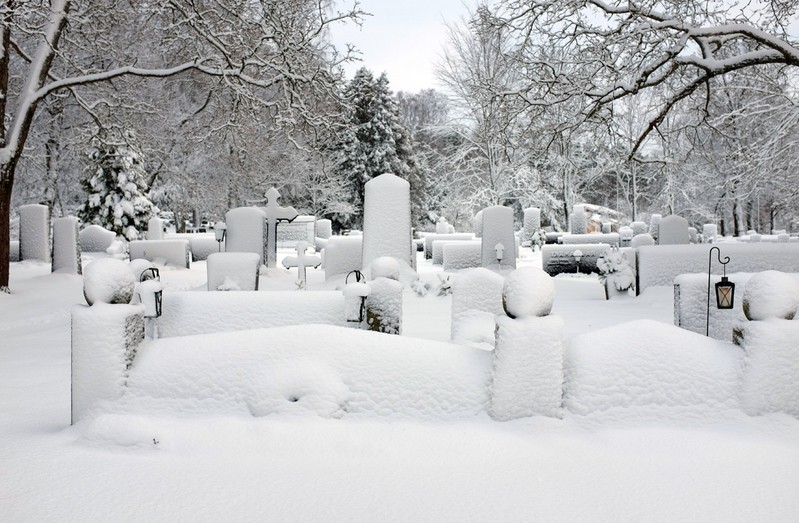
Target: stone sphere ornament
column 528, row 292
column 771, row 294
column 108, row 280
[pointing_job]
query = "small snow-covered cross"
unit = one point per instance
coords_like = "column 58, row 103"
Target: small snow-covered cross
column 301, row 261
column 274, row 214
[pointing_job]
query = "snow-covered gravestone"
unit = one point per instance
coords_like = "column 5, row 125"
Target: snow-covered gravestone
column 384, row 302
column 274, row 213
column 342, row 254
column 155, row 228
column 387, row 219
column 709, row 232
column 105, row 335
column 233, row 271
column 639, row 228
column 771, row 367
column 95, row 238
column 324, row 228
column 476, row 301
column 301, row 261
column 579, row 220
column 245, row 231
column 527, row 369
column 66, row 249
column 498, row 231
column 478, row 224
column 34, row 233
column 532, row 223
column 673, row 230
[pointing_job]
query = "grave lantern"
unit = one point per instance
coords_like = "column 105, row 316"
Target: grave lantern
column 220, row 230
column 725, row 289
column 150, row 290
column 355, row 294
column 578, row 255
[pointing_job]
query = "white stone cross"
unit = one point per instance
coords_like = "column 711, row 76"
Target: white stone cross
column 274, row 214
column 301, row 261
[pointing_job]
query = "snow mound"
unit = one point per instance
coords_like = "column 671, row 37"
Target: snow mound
column 311, row 369
column 771, row 294
column 528, row 292
column 108, row 280
column 385, row 267
column 646, row 364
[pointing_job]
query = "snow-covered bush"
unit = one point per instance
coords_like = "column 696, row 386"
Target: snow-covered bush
column 771, row 294
column 528, row 292
column 116, row 184
column 615, row 271
column 108, row 280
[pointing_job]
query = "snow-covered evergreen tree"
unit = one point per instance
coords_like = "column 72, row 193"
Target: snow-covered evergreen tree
column 374, row 141
column 117, row 185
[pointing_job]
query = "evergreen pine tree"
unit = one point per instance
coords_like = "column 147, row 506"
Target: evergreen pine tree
column 374, row 142
column 116, row 184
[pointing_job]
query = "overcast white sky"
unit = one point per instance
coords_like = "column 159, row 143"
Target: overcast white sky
column 404, row 38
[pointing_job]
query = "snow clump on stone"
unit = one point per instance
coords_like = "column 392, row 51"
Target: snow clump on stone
column 528, row 292
column 771, row 294
column 108, row 280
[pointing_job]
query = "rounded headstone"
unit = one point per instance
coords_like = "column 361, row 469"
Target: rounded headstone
column 771, row 294
column 641, row 240
column 108, row 280
column 528, row 292
column 95, row 238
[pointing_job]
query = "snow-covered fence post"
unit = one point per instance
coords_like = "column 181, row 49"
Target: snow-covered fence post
column 66, row 248
column 34, row 232
column 771, row 367
column 105, row 335
column 527, row 370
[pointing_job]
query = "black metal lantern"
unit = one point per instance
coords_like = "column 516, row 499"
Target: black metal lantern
column 355, row 302
column 725, row 293
column 725, row 289
column 220, row 231
column 151, row 300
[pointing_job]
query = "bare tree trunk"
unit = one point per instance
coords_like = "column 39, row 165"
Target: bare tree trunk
column 5, row 229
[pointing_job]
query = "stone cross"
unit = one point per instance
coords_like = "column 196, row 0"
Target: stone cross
column 274, row 214
column 301, row 261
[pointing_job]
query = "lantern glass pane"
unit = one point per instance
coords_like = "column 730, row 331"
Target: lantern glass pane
column 725, row 294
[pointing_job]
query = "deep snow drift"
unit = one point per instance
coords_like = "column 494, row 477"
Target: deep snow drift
column 345, row 450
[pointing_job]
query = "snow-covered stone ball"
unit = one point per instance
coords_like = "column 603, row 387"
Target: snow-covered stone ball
column 108, row 280
column 528, row 292
column 385, row 267
column 138, row 266
column 771, row 294
column 641, row 240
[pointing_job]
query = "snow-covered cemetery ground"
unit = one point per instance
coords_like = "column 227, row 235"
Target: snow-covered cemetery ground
column 330, row 423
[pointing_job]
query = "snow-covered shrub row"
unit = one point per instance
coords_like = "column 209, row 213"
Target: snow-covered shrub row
column 66, row 249
column 104, row 342
column 34, row 232
column 316, row 369
column 438, row 250
column 186, row 313
column 342, row 254
column 659, row 265
column 558, row 259
column 771, row 366
column 430, row 238
column 462, row 255
column 164, row 252
column 642, row 240
column 611, row 239
column 650, row 366
column 229, row 271
column 476, row 300
column 690, row 304
column 95, row 238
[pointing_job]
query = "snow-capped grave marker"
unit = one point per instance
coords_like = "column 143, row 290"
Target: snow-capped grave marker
column 498, row 229
column 274, row 214
column 233, row 271
column 387, row 219
column 245, row 231
column 532, row 223
column 155, row 228
column 66, row 249
column 673, row 230
column 301, row 261
column 95, row 238
column 324, row 228
column 527, row 369
column 34, row 232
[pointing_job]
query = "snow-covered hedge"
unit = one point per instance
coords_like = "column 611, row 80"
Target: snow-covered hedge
column 186, row 313
column 611, row 238
column 659, row 265
column 430, row 238
column 171, row 252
